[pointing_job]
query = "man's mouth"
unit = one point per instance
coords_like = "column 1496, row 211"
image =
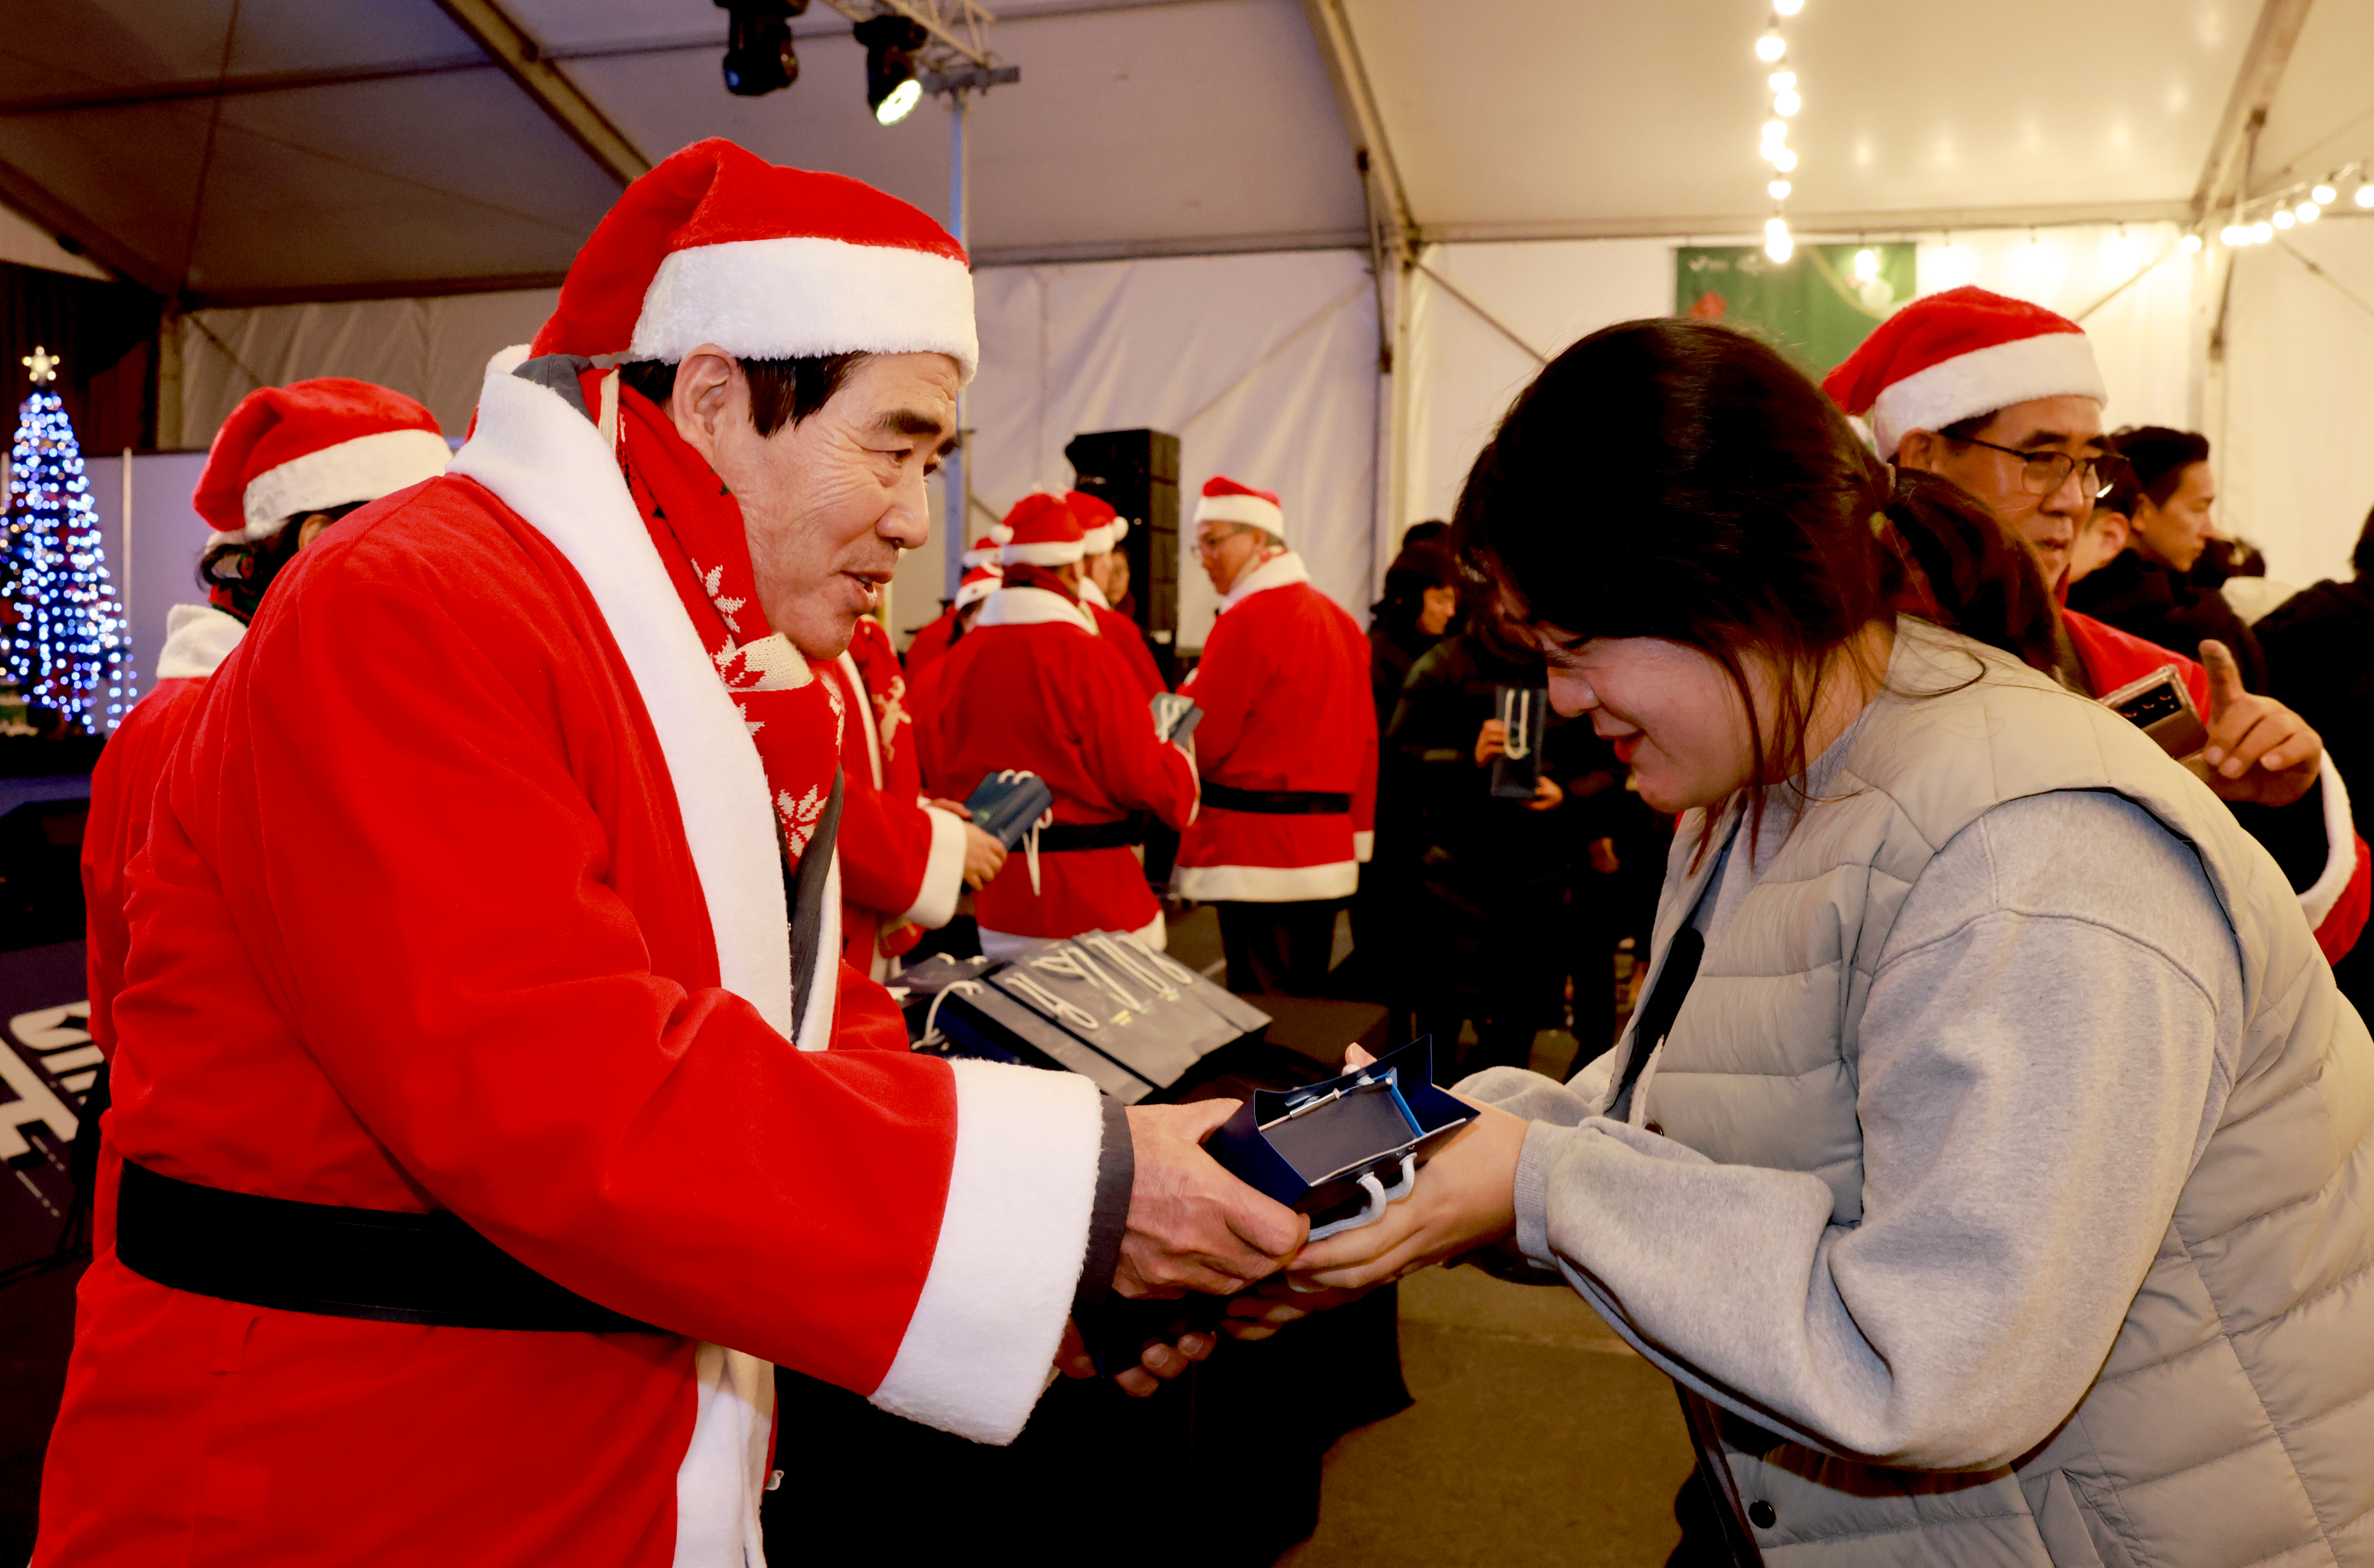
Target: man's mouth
column 870, row 586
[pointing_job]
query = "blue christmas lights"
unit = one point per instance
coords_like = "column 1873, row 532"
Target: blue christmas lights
column 68, row 644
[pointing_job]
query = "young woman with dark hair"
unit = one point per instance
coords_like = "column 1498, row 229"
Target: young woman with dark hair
column 1990, row 1155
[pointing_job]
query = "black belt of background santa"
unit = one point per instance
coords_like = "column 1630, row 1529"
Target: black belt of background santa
column 375, row 1263
column 1121, row 835
column 1278, row 802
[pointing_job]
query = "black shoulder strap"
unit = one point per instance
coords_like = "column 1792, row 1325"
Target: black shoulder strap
column 807, row 887
column 1655, row 1019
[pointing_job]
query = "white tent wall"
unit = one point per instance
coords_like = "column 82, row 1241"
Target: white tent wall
column 2296, row 403
column 1264, row 365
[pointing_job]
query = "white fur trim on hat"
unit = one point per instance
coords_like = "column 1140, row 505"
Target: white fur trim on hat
column 802, row 297
column 363, row 469
column 1250, row 511
column 2055, row 364
column 1106, row 537
column 1049, row 553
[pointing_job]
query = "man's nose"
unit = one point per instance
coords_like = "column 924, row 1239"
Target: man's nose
column 907, row 521
column 2071, row 499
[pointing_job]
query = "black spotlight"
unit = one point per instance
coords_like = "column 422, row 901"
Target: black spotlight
column 758, row 57
column 890, row 44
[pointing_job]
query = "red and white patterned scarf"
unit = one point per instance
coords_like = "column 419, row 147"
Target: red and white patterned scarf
column 795, row 719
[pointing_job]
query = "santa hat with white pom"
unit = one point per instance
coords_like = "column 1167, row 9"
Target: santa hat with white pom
column 311, row 447
column 1225, row 500
column 1957, row 356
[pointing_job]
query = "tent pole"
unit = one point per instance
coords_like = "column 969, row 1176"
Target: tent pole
column 956, row 474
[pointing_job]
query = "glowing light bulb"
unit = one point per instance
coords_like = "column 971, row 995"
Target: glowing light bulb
column 1787, row 103
column 1866, row 264
column 1774, row 130
column 903, row 99
column 1770, row 47
column 1784, row 160
column 2307, row 211
column 2234, row 234
column 1788, row 7
column 2365, row 196
column 2189, row 244
column 2260, row 233
column 2324, row 195
column 2283, row 217
column 1781, row 81
column 1779, row 246
column 1780, row 190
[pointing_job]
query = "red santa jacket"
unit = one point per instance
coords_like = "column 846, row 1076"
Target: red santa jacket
column 901, row 861
column 1030, row 687
column 1123, row 632
column 930, row 643
column 2338, row 901
column 462, row 891
column 197, row 640
column 1284, row 686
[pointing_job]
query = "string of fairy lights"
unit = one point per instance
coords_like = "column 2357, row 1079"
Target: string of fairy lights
column 68, row 647
column 1772, row 48
column 2254, row 222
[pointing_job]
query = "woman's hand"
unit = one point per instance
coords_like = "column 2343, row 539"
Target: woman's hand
column 2259, row 750
column 1466, row 1197
column 1548, row 796
column 1490, row 740
column 1272, row 1305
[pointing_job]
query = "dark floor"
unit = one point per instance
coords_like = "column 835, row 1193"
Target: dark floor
column 36, row 1332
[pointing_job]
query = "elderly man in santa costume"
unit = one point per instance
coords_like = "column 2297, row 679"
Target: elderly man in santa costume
column 1034, row 687
column 494, row 1106
column 289, row 462
column 2004, row 398
column 1287, row 748
column 1102, row 529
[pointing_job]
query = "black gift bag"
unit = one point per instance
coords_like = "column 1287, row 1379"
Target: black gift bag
column 1517, row 772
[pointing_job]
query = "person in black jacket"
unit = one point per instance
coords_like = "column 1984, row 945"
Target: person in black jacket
column 2320, row 644
column 2145, row 591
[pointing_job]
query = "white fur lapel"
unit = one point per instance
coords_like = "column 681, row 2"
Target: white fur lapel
column 1276, row 572
column 548, row 463
column 198, row 638
column 1031, row 607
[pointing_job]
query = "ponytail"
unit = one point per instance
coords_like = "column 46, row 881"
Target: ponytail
column 1967, row 571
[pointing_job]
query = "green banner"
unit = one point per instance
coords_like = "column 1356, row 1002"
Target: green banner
column 1815, row 307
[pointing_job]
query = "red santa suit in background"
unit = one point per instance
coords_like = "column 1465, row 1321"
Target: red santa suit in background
column 1102, row 529
column 464, row 896
column 901, row 861
column 931, row 642
column 923, row 682
column 284, row 454
column 1287, row 749
column 1033, row 687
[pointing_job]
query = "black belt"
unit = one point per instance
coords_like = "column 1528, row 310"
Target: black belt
column 375, row 1263
column 1121, row 835
column 1278, row 802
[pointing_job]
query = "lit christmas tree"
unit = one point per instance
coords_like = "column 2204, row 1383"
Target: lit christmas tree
column 69, row 648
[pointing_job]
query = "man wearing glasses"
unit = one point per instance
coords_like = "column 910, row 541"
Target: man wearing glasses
column 1287, row 751
column 2004, row 398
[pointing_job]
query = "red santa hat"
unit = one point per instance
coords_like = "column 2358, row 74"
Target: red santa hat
column 984, row 549
column 716, row 245
column 1957, row 356
column 1102, row 528
column 310, row 446
column 1225, row 500
column 978, row 585
column 1045, row 533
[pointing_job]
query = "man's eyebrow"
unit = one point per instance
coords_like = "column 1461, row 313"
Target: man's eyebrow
column 910, row 422
column 2044, row 438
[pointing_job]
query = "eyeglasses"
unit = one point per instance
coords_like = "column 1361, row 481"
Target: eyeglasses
column 2043, row 474
column 1206, row 544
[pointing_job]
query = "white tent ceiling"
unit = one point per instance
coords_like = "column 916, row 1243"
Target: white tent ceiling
column 377, row 148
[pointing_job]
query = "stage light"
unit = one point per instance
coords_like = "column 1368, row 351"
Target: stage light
column 2189, row 244
column 890, row 44
column 1770, row 47
column 2365, row 197
column 1787, row 103
column 2260, row 233
column 758, row 57
column 2324, row 194
column 1779, row 189
column 1783, row 81
column 2283, row 217
column 1866, row 264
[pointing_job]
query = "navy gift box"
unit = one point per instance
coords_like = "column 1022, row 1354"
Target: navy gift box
column 1341, row 1149
column 1007, row 802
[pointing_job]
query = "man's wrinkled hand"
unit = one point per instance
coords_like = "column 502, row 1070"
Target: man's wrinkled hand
column 1157, row 1367
column 984, row 857
column 2258, row 749
column 1192, row 1225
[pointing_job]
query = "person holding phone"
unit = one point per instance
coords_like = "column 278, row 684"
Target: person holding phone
column 1990, row 1159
